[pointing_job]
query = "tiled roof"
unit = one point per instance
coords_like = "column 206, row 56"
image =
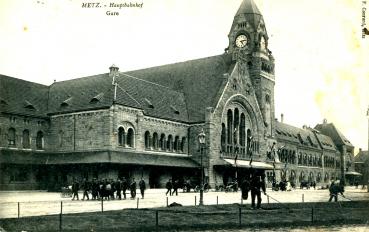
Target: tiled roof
column 199, row 80
column 301, row 136
column 362, row 156
column 330, row 130
column 22, row 97
column 326, row 142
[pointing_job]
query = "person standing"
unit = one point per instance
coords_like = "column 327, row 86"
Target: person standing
column 245, row 188
column 169, row 186
column 133, row 187
column 257, row 185
column 118, row 188
column 75, row 188
column 95, row 189
column 335, row 189
column 142, row 185
column 86, row 188
column 124, row 187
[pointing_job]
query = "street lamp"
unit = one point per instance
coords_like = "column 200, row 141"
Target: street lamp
column 201, row 138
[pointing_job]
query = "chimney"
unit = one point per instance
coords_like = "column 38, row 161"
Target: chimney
column 113, row 70
column 360, row 149
column 304, row 127
column 282, row 116
column 325, row 121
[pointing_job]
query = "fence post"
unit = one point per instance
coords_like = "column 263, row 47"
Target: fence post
column 312, row 214
column 60, row 222
column 241, row 201
column 239, row 216
column 138, row 200
column 167, row 201
column 195, row 200
column 102, row 205
column 302, row 197
column 157, row 220
column 217, row 200
column 268, row 199
column 61, row 207
column 18, row 210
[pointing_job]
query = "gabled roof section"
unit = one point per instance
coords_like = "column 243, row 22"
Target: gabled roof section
column 97, row 98
column 22, row 97
column 362, row 156
column 325, row 142
column 197, row 81
column 330, row 130
column 303, row 137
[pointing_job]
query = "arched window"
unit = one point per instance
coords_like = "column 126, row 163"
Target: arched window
column 236, row 126
column 25, row 139
column 60, row 138
column 39, row 140
column 229, row 126
column 147, row 140
column 170, row 143
column 183, row 144
column 11, row 136
column 162, row 142
column 319, row 177
column 121, row 136
column 311, row 177
column 242, row 131
column 176, row 143
column 223, row 137
column 155, row 141
column 302, row 176
column 130, row 137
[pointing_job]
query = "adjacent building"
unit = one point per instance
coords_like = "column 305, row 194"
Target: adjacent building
column 145, row 123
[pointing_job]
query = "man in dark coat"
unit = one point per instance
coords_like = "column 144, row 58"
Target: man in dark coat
column 118, row 188
column 86, row 188
column 335, row 188
column 95, row 189
column 175, row 187
column 257, row 184
column 75, row 188
column 133, row 187
column 169, row 187
column 245, row 188
column 142, row 185
column 124, row 187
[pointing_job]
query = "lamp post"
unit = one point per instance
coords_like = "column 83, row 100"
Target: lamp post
column 367, row 162
column 201, row 138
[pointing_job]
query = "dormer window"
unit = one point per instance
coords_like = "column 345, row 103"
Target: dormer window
column 3, row 102
column 174, row 110
column 66, row 102
column 28, row 105
column 150, row 105
column 97, row 98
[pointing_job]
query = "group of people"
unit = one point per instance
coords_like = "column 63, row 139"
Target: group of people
column 172, row 185
column 255, row 183
column 107, row 189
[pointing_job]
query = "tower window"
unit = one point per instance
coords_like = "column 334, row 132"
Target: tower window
column 267, row 98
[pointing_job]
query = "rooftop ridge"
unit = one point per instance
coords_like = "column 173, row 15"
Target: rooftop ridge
column 19, row 79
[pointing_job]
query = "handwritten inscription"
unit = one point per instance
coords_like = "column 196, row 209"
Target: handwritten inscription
column 112, row 8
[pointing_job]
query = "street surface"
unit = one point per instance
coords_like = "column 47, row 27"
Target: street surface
column 34, row 203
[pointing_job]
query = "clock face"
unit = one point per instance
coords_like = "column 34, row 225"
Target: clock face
column 241, row 41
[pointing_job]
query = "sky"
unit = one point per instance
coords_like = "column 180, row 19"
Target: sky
column 322, row 61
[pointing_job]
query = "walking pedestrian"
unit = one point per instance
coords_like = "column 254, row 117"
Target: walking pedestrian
column 133, row 187
column 175, row 187
column 75, row 188
column 257, row 185
column 245, row 188
column 142, row 185
column 86, row 188
column 124, row 187
column 94, row 189
column 335, row 188
column 169, row 186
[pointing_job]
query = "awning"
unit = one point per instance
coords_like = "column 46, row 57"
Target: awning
column 246, row 164
column 353, row 174
column 93, row 157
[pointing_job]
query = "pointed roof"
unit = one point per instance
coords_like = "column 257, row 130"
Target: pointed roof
column 250, row 12
column 248, row 7
column 330, row 130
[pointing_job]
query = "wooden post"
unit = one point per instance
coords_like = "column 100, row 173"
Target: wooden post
column 167, row 201
column 102, row 205
column 217, row 200
column 268, row 199
column 195, row 201
column 157, row 220
column 138, row 200
column 61, row 207
column 239, row 216
column 241, row 201
column 18, row 210
column 303, row 198
column 60, row 222
column 312, row 214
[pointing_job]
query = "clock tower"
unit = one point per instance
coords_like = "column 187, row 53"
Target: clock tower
column 248, row 46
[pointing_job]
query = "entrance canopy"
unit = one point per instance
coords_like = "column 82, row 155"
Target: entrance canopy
column 246, row 164
column 353, row 174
